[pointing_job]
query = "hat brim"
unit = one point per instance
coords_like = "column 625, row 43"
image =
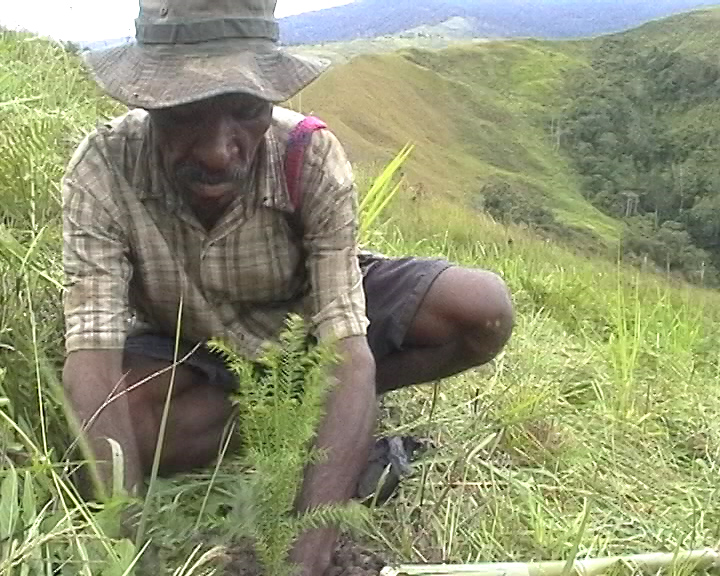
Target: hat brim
column 160, row 76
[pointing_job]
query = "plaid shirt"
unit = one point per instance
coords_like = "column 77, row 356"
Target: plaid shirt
column 134, row 252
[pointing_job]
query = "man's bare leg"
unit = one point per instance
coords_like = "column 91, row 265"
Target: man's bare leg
column 199, row 413
column 464, row 321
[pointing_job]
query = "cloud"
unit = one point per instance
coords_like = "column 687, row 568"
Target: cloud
column 72, row 19
column 290, row 7
column 101, row 19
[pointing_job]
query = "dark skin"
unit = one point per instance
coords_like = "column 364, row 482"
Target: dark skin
column 464, row 321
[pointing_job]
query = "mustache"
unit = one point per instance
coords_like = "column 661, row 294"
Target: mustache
column 194, row 174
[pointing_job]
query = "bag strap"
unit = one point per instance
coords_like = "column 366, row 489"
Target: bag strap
column 295, row 156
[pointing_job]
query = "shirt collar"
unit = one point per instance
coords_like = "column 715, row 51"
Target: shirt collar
column 272, row 185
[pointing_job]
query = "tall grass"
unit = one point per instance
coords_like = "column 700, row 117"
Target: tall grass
column 595, row 432
column 602, row 404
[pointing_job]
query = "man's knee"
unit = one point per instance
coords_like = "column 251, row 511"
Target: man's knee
column 490, row 326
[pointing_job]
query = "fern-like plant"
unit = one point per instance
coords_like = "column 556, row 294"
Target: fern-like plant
column 280, row 402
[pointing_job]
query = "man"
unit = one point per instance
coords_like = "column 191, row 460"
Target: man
column 178, row 213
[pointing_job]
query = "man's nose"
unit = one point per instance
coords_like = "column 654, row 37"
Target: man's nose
column 217, row 148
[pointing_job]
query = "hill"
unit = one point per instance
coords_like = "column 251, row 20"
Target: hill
column 499, row 126
column 493, row 19
column 102, row 44
column 478, row 114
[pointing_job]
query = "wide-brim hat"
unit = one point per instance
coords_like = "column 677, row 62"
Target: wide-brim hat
column 189, row 50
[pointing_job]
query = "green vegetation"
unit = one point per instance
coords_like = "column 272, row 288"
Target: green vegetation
column 607, row 144
column 596, row 431
column 478, row 115
column 643, row 131
column 45, row 105
column 280, row 403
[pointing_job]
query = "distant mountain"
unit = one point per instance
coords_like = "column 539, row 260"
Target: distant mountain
column 100, row 44
column 549, row 19
column 455, row 27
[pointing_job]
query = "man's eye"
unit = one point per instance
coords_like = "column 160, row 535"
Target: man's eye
column 183, row 117
column 250, row 111
column 170, row 117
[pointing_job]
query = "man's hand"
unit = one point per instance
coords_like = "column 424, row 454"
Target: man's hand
column 91, row 379
column 312, row 553
column 346, row 437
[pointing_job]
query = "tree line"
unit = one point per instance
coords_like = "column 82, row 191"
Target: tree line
column 643, row 130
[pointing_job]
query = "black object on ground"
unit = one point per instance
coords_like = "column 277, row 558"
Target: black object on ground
column 390, row 461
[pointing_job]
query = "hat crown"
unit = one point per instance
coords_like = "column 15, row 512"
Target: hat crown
column 191, row 50
column 190, row 10
column 194, row 21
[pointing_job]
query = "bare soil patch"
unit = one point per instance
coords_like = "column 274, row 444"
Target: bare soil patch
column 350, row 559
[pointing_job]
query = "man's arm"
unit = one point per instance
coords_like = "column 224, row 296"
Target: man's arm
column 346, row 437
column 97, row 276
column 90, row 379
column 336, row 307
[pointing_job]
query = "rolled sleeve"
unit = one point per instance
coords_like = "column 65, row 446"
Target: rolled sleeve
column 97, row 272
column 336, row 300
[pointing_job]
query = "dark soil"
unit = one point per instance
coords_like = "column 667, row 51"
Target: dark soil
column 243, row 561
column 350, row 559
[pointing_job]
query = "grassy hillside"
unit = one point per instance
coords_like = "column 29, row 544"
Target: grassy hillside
column 556, row 135
column 596, row 432
column 478, row 115
column 46, row 107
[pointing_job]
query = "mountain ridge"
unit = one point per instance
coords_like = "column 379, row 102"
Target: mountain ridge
column 369, row 19
column 490, row 122
column 507, row 19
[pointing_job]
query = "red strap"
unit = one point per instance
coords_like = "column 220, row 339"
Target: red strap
column 295, row 154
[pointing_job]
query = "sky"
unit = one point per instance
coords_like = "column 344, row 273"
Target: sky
column 92, row 20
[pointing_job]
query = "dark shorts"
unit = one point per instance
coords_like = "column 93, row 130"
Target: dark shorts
column 394, row 290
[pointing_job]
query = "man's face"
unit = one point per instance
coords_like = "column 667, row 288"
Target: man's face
column 208, row 147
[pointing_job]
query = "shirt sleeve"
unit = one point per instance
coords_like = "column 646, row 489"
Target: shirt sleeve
column 336, row 300
column 95, row 257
